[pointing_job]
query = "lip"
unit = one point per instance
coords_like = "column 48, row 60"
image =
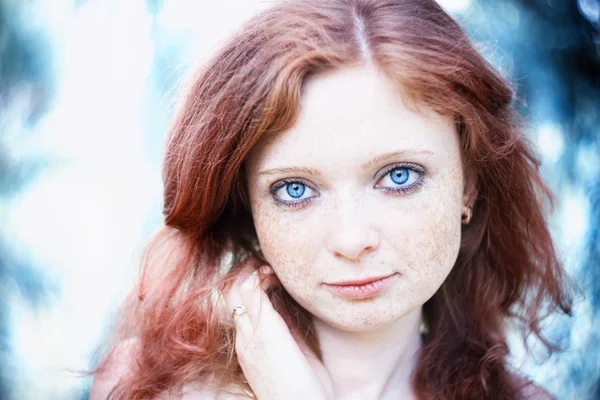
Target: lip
column 361, row 288
column 358, row 282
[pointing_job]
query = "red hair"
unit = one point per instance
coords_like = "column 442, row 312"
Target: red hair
column 507, row 267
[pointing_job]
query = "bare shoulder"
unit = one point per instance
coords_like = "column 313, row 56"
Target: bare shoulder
column 118, row 364
column 534, row 392
column 531, row 391
column 200, row 394
column 121, row 361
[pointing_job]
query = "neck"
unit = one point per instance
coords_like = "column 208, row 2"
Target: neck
column 375, row 364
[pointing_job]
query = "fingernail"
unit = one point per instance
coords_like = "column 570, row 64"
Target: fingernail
column 266, row 270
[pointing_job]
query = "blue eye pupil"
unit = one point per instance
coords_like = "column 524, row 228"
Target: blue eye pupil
column 399, row 175
column 295, row 190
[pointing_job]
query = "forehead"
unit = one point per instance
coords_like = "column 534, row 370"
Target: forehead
column 354, row 114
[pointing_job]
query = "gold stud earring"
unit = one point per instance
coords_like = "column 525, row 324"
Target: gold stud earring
column 467, row 215
column 423, row 329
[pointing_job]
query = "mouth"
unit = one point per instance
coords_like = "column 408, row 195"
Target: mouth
column 361, row 288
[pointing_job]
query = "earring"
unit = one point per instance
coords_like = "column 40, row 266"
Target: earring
column 467, row 214
column 423, row 329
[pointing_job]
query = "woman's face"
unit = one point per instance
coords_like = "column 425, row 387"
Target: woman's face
column 360, row 187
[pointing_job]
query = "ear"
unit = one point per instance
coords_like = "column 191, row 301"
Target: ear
column 471, row 187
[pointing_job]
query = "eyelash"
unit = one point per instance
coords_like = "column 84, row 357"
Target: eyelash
column 284, row 183
column 395, row 191
column 409, row 189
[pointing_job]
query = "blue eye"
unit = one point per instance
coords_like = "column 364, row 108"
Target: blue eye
column 295, row 189
column 289, row 192
column 404, row 178
column 399, row 175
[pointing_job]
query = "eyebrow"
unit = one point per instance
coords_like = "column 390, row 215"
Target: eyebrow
column 395, row 154
column 377, row 159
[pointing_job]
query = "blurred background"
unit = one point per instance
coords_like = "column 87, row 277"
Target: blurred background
column 86, row 94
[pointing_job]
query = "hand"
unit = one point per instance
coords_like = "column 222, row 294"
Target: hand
column 275, row 365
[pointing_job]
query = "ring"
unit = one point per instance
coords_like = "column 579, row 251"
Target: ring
column 238, row 310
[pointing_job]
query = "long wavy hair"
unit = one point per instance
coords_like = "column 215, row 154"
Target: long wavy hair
column 507, row 269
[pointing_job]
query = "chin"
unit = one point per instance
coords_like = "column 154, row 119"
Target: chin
column 365, row 325
column 358, row 324
column 364, row 316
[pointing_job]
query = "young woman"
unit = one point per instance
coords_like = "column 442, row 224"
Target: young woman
column 351, row 212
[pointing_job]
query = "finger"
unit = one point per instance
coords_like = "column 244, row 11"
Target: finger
column 233, row 298
column 250, row 292
column 266, row 270
column 249, row 289
column 268, row 282
column 259, row 308
column 266, row 278
column 265, row 343
column 231, row 293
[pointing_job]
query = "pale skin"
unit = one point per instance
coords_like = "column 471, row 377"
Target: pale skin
column 387, row 189
column 353, row 133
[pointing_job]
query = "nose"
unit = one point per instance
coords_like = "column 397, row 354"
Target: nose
column 353, row 234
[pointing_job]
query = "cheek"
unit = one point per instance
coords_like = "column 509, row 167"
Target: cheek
column 286, row 244
column 432, row 247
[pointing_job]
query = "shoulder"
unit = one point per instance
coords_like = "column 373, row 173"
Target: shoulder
column 121, row 360
column 531, row 391
column 534, row 392
column 195, row 393
column 117, row 364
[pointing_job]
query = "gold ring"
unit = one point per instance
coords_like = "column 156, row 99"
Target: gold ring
column 238, row 310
